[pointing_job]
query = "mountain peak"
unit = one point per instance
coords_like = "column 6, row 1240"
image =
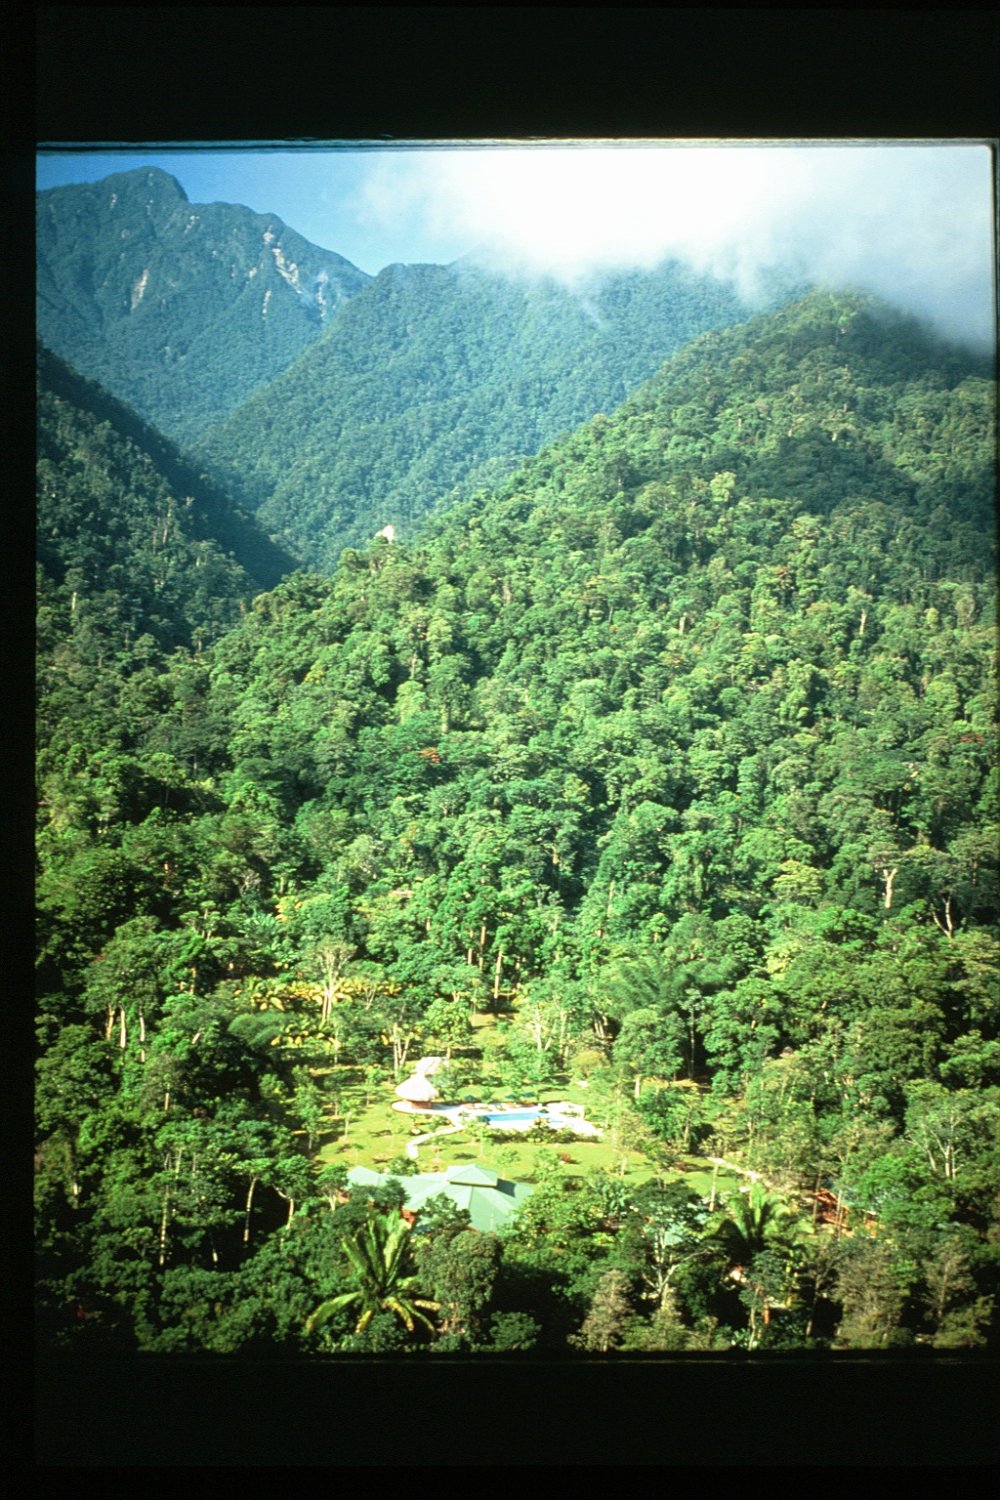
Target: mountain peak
column 183, row 309
column 156, row 179
column 128, row 186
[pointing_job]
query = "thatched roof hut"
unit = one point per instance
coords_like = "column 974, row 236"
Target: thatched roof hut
column 417, row 1090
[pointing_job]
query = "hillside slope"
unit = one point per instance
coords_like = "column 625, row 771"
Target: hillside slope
column 677, row 752
column 787, row 532
column 436, row 377
column 137, row 553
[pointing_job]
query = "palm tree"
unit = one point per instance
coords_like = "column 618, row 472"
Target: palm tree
column 378, row 1254
column 757, row 1232
column 751, row 1222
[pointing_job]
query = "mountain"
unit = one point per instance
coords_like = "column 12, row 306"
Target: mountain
column 754, row 515
column 181, row 309
column 434, row 377
column 141, row 563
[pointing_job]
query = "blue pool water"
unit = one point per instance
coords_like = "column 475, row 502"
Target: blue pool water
column 514, row 1116
column 491, row 1115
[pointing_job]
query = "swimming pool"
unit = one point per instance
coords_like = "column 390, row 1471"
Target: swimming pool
column 518, row 1117
column 495, row 1114
column 499, row 1118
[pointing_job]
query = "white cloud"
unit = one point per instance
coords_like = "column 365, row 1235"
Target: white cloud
column 912, row 223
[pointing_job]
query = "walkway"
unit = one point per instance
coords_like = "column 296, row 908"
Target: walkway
column 412, row 1147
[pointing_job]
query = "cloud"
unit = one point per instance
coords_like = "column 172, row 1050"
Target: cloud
column 911, row 223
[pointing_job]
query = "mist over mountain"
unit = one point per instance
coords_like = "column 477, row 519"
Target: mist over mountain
column 912, row 224
column 183, row 310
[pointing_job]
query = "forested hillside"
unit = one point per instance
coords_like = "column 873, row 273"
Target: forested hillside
column 181, row 309
column 137, row 555
column 124, row 513
column 663, row 775
column 443, row 376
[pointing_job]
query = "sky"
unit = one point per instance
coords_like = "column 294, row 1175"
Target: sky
column 912, row 223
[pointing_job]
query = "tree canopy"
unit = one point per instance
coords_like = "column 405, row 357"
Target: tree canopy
column 674, row 754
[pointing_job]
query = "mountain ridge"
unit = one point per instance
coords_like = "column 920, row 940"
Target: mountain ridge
column 435, row 375
column 181, row 309
column 89, row 515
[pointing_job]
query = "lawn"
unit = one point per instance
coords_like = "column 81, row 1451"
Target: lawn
column 369, row 1132
column 524, row 1160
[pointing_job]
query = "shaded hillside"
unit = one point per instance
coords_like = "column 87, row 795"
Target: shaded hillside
column 138, row 556
column 181, row 309
column 137, row 553
column 86, row 434
column 434, row 377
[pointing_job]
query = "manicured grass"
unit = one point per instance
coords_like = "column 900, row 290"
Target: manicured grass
column 522, row 1160
column 376, row 1134
column 370, row 1135
column 701, row 1181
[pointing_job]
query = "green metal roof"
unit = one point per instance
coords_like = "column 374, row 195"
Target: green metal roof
column 473, row 1175
column 364, row 1177
column 488, row 1198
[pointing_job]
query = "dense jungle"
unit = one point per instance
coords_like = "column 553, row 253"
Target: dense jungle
column 645, row 763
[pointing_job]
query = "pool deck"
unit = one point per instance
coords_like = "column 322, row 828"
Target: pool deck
column 561, row 1116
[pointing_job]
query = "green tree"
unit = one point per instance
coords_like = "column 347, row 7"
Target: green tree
column 604, row 1326
column 649, row 1044
column 872, row 1284
column 461, row 1269
column 751, row 1222
column 378, row 1254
